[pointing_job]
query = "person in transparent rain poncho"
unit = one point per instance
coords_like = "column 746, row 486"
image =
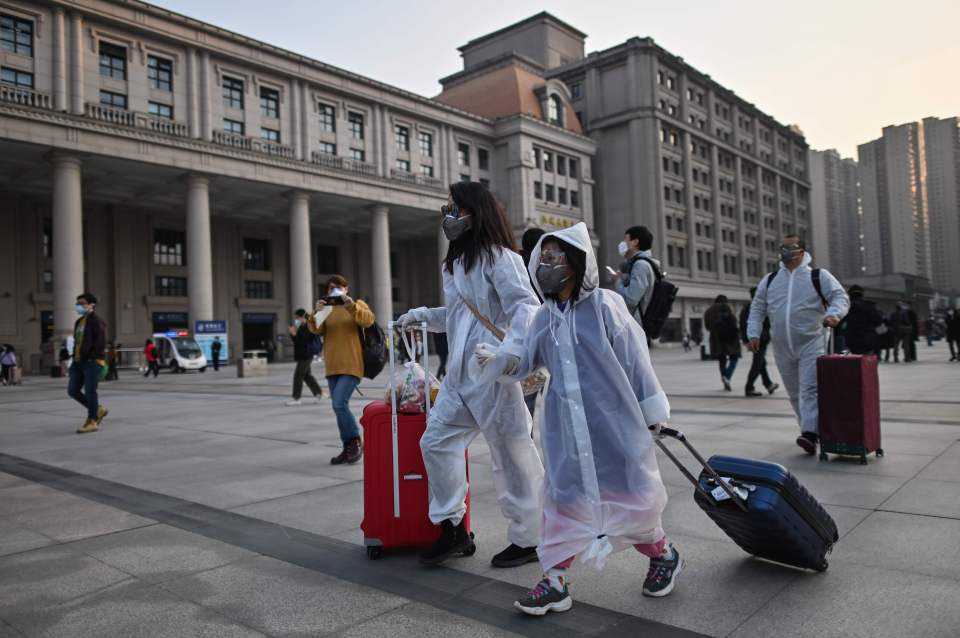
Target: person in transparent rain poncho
column 603, row 487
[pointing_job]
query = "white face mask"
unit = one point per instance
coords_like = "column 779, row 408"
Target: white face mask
column 622, row 248
column 336, row 292
column 298, row 322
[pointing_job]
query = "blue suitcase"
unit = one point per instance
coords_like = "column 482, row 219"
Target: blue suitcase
column 778, row 519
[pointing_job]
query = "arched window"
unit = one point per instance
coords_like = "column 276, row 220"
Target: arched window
column 555, row 110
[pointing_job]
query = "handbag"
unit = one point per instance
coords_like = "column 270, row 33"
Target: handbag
column 535, row 381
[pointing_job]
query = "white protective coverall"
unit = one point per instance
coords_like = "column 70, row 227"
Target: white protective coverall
column 603, row 487
column 499, row 289
column 796, row 330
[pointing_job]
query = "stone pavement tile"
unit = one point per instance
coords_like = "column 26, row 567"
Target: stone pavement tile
column 945, row 468
column 918, row 544
column 922, row 496
column 7, row 631
column 906, row 427
column 417, row 620
column 15, row 539
column 8, row 480
column 847, row 488
column 891, row 464
column 859, row 601
column 130, row 608
column 900, row 444
column 160, row 552
column 251, row 486
column 282, row 599
column 324, row 511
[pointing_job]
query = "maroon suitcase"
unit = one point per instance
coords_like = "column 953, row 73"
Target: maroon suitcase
column 848, row 400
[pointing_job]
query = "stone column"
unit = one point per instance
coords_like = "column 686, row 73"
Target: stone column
column 301, row 268
column 59, row 60
column 295, row 139
column 76, row 64
column 305, row 111
column 193, row 114
column 206, row 109
column 199, row 252
column 380, row 259
column 67, row 242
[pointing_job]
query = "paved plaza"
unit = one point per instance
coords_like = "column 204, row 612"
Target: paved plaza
column 204, row 507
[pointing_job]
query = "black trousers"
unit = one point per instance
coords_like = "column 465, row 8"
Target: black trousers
column 758, row 368
column 303, row 375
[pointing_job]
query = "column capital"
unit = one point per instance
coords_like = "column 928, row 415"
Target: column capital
column 297, row 196
column 60, row 158
column 193, row 180
column 379, row 209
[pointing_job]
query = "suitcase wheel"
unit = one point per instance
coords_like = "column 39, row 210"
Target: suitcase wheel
column 823, row 456
column 863, row 459
column 374, row 552
column 822, row 567
column 879, row 451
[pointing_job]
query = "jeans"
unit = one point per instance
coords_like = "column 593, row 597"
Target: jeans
column 303, row 375
column 728, row 365
column 758, row 368
column 84, row 377
column 341, row 389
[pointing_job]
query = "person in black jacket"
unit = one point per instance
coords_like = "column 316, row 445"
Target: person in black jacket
column 90, row 340
column 861, row 323
column 952, row 320
column 215, row 349
column 758, row 367
column 907, row 331
column 303, row 353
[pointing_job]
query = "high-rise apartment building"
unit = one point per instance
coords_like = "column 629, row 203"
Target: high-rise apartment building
column 894, row 203
column 942, row 145
column 835, row 213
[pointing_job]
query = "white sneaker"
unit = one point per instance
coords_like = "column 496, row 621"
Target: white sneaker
column 293, row 402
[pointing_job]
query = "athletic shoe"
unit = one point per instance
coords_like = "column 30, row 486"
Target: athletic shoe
column 726, row 384
column 514, row 556
column 89, row 426
column 750, row 392
column 808, row 441
column 544, row 598
column 662, row 575
column 772, row 388
column 293, row 402
column 454, row 539
column 101, row 413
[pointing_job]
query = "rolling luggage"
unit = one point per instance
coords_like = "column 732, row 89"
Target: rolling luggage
column 395, row 496
column 761, row 506
column 848, row 402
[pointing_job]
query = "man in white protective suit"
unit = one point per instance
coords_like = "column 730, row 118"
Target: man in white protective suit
column 799, row 301
column 484, row 282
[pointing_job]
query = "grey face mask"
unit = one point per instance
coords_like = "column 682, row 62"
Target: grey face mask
column 455, row 227
column 552, row 279
column 787, row 254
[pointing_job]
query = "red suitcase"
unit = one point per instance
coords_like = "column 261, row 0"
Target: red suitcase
column 395, row 496
column 848, row 401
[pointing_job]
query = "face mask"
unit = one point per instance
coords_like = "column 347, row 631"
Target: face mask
column 336, row 292
column 298, row 322
column 81, row 309
column 622, row 248
column 786, row 254
column 552, row 279
column 455, row 227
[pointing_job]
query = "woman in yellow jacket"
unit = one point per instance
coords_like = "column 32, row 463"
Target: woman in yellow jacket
column 343, row 357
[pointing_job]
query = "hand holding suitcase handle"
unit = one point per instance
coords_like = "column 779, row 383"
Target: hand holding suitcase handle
column 659, row 430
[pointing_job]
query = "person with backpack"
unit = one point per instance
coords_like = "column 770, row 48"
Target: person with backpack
column 861, row 323
column 724, row 338
column 337, row 318
column 306, row 346
column 906, row 330
column 489, row 299
column 649, row 297
column 758, row 367
column 799, row 301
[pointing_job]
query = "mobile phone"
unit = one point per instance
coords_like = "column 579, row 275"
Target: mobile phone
column 336, row 300
column 612, row 271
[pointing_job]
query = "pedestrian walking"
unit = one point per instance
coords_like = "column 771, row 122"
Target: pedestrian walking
column 306, row 346
column 758, row 365
column 215, row 349
column 337, row 318
column 8, row 364
column 929, row 327
column 862, row 322
column 724, row 338
column 907, row 331
column 798, row 301
column 638, row 271
column 686, row 342
column 484, row 283
column 603, row 488
column 952, row 321
column 89, row 338
column 153, row 363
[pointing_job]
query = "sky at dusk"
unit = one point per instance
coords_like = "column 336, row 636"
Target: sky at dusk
column 840, row 69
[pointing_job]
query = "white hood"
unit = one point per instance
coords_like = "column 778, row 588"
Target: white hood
column 578, row 236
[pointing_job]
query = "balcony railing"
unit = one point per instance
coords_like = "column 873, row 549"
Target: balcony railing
column 123, row 117
column 343, row 164
column 273, row 148
column 233, row 140
column 162, row 125
column 110, row 115
column 412, row 178
column 25, row 97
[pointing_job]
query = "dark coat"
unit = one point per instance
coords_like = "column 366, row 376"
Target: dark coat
column 953, row 326
column 764, row 333
column 301, row 343
column 905, row 324
column 712, row 319
column 94, row 338
column 860, row 326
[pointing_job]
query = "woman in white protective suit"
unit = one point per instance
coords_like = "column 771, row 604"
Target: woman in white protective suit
column 482, row 275
column 603, row 487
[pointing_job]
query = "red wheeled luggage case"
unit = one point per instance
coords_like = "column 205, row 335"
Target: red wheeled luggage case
column 848, row 401
column 396, row 501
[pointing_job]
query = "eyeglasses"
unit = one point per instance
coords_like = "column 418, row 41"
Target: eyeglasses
column 552, row 258
column 450, row 210
column 785, row 247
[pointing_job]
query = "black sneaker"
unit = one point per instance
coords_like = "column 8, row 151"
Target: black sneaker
column 808, row 441
column 750, row 392
column 662, row 574
column 772, row 388
column 514, row 556
column 726, row 384
column 544, row 598
column 454, row 539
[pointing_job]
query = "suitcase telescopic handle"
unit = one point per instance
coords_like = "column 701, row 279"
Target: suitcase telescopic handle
column 680, row 436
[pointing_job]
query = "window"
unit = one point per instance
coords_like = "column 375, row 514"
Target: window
column 659, row 77
column 425, row 140
column 562, row 196
column 575, row 199
column 326, row 148
column 116, row 100
column 16, row 35
column 358, row 155
column 464, row 178
column 483, row 159
column 169, row 247
column 113, row 61
column 548, row 161
column 681, row 257
column 16, row 78
column 269, row 102
column 402, row 136
column 550, row 196
column 256, row 254
column 47, row 238
column 270, row 135
column 538, row 190
column 463, row 154
column 159, row 73
column 328, row 260
column 170, row 286
column 671, row 82
column 233, row 126
column 328, row 118
column 355, row 122
column 537, row 159
column 403, row 165
column 160, row 110
column 258, row 289
column 555, row 110
column 670, row 260
column 561, row 165
column 572, row 167
column 47, row 281
column 426, row 171
column 233, row 93
column 576, row 91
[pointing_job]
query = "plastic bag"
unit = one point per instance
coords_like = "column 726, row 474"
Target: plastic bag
column 410, row 383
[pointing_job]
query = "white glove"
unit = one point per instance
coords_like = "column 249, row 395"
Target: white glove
column 484, row 353
column 410, row 317
column 511, row 363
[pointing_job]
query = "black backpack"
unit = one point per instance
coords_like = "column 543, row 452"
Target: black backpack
column 315, row 347
column 373, row 343
column 661, row 302
column 728, row 331
column 814, row 276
